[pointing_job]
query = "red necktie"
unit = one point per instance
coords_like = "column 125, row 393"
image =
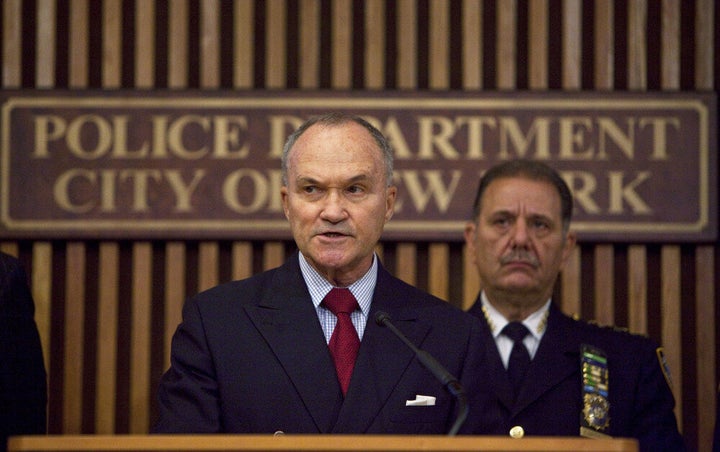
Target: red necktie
column 344, row 342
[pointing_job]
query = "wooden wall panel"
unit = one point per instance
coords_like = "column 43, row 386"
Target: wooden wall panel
column 106, row 310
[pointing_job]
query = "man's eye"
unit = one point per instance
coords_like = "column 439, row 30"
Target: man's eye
column 355, row 189
column 309, row 189
column 539, row 224
column 502, row 222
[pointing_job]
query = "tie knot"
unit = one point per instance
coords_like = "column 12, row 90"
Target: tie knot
column 515, row 331
column 340, row 301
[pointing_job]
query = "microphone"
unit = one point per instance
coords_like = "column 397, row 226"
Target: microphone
column 443, row 375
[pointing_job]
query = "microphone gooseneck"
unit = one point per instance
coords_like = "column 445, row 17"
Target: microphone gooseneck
column 443, row 375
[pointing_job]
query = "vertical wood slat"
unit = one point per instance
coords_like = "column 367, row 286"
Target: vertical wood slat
column 472, row 54
column 242, row 259
column 604, row 285
column 309, row 50
column 670, row 315
column 175, row 268
column 140, row 333
column 273, row 255
column 405, row 265
column 571, row 279
column 107, row 339
column 276, row 53
column 177, row 40
column 704, row 44
column 604, row 45
column 637, row 289
column 374, row 44
column 637, row 50
column 438, row 270
column 42, row 292
column 144, row 44
column 243, row 40
column 537, row 44
column 407, row 44
column 74, row 326
column 471, row 283
column 78, row 44
column 705, row 347
column 12, row 43
column 342, row 48
column 11, row 248
column 506, row 43
column 208, row 253
column 209, row 44
column 112, row 43
column 572, row 45
column 44, row 73
column 670, row 45
column 439, row 43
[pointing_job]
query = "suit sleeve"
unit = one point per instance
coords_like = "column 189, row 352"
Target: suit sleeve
column 23, row 386
column 188, row 400
column 655, row 427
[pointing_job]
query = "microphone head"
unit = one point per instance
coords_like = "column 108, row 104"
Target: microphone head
column 381, row 317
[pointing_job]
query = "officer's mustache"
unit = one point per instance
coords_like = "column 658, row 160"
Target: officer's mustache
column 520, row 255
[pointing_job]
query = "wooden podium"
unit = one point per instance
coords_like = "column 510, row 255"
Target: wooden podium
column 319, row 443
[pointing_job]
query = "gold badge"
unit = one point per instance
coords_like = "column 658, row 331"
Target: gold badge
column 596, row 411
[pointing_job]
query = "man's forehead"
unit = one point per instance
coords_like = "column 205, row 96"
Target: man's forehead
column 511, row 193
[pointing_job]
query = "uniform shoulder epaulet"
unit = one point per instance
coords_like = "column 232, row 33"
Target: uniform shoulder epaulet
column 615, row 328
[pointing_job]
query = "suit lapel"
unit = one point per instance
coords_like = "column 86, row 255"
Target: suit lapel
column 382, row 359
column 496, row 376
column 287, row 320
column 557, row 358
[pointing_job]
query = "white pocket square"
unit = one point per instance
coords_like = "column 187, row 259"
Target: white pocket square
column 421, row 400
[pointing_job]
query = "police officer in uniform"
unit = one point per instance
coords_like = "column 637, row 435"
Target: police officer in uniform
column 548, row 374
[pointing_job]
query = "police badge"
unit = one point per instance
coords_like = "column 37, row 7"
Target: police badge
column 595, row 416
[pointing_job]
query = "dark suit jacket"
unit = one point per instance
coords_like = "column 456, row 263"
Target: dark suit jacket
column 23, row 392
column 250, row 356
column 550, row 403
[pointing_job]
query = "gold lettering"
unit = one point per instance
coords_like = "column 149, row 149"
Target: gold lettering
column 139, row 180
column 394, row 134
column 107, row 191
column 120, row 150
column 429, row 140
column 583, row 185
column 607, row 127
column 227, row 137
column 231, row 190
column 539, row 132
column 183, row 192
column 619, row 192
column 475, row 134
column 175, row 137
column 659, row 126
column 61, row 190
column 47, row 128
column 433, row 189
column 281, row 126
column 573, row 133
column 103, row 131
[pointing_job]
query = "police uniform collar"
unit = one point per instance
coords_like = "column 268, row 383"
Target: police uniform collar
column 535, row 322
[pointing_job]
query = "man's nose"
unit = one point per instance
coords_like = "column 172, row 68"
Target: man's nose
column 520, row 233
column 334, row 206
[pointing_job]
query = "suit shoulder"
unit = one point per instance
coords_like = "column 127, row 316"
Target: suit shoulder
column 613, row 337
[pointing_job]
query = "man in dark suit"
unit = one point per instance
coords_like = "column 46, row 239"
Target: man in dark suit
column 546, row 373
column 257, row 356
column 23, row 390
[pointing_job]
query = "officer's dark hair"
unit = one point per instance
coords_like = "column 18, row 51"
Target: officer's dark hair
column 533, row 170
